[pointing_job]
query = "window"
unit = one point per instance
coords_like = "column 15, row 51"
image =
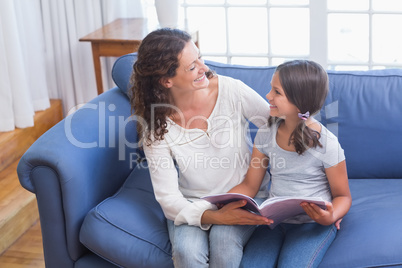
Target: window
column 339, row 34
column 362, row 34
column 250, row 32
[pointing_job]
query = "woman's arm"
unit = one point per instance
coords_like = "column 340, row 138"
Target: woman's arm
column 164, row 179
column 179, row 209
column 232, row 213
column 254, row 107
column 341, row 197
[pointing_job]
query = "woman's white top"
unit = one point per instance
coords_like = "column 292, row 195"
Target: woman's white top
column 191, row 163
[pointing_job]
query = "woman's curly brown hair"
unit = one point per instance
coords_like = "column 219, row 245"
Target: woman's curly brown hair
column 158, row 57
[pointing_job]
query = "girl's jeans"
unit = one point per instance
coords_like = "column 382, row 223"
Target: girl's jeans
column 219, row 247
column 288, row 245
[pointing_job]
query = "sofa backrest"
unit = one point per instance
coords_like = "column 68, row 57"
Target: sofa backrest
column 121, row 71
column 363, row 108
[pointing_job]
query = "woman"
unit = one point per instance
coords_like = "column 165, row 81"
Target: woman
column 193, row 133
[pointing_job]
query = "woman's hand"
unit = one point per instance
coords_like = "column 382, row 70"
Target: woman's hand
column 233, row 214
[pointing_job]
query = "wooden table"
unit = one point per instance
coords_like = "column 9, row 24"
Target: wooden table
column 120, row 37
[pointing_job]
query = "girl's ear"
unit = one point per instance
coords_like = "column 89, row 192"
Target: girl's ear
column 166, row 82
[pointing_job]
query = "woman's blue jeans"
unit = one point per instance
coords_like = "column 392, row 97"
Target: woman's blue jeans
column 219, row 247
column 288, row 245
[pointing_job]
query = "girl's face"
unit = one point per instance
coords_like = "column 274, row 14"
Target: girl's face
column 190, row 75
column 279, row 103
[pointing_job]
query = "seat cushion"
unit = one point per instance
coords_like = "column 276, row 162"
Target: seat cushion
column 129, row 228
column 371, row 232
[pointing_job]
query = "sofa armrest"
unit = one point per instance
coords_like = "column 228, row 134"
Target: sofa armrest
column 76, row 164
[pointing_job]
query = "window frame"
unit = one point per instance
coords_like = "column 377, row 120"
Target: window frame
column 318, row 51
column 229, row 54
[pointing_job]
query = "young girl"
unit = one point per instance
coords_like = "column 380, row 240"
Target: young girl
column 305, row 160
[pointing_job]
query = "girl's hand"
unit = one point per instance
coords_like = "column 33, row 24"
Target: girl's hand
column 338, row 224
column 233, row 214
column 319, row 215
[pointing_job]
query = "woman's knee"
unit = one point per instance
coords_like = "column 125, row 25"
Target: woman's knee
column 190, row 252
column 228, row 235
column 189, row 246
column 226, row 244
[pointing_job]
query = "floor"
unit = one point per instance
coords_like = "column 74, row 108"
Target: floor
column 26, row 252
column 20, row 234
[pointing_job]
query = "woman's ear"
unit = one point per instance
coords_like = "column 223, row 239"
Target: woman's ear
column 166, row 82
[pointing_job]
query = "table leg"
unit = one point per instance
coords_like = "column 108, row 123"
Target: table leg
column 97, row 65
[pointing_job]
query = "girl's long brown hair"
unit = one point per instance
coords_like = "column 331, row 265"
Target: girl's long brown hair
column 306, row 86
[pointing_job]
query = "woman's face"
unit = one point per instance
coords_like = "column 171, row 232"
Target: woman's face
column 190, row 75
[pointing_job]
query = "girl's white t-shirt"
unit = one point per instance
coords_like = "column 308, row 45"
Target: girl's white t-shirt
column 299, row 175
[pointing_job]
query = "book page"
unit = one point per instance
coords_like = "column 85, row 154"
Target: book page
column 282, row 208
column 232, row 197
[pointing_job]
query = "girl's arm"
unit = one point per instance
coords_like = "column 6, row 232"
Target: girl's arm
column 232, row 212
column 341, row 197
column 254, row 176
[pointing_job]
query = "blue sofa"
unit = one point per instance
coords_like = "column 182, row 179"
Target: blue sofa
column 96, row 201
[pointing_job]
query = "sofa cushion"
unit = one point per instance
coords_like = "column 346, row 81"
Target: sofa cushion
column 92, row 260
column 121, row 71
column 256, row 77
column 364, row 110
column 371, row 233
column 129, row 228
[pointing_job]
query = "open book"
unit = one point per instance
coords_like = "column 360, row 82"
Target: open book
column 276, row 208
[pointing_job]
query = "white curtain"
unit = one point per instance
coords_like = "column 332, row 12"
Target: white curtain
column 22, row 68
column 41, row 57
